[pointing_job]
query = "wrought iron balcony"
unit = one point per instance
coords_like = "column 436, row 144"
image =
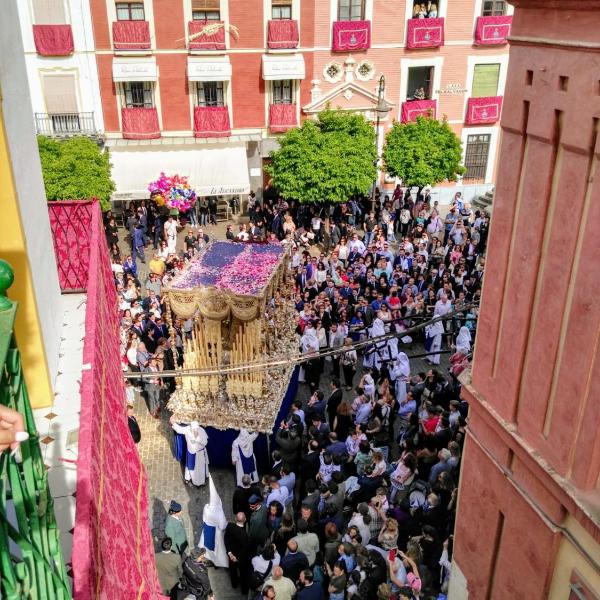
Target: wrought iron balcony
column 65, row 124
column 31, row 562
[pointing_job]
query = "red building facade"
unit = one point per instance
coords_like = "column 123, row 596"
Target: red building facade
column 529, row 504
column 178, row 77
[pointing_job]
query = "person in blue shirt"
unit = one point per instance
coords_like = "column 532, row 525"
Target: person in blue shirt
column 139, row 243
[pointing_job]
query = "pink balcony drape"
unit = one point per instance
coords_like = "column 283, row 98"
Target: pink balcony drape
column 418, row 108
column 211, row 122
column 140, row 123
column 492, row 31
column 282, row 33
column 282, row 117
column 483, row 111
column 349, row 36
column 53, row 40
column 131, row 35
column 214, row 41
column 425, row 33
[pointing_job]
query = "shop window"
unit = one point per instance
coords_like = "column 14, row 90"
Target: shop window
column 351, row 10
column 210, row 93
column 206, row 10
column 283, row 91
column 138, row 94
column 425, row 10
column 281, row 10
column 419, row 83
column 485, row 81
column 130, row 11
column 493, row 8
column 476, row 156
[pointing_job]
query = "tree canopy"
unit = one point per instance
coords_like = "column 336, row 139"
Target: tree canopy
column 75, row 168
column 423, row 152
column 327, row 160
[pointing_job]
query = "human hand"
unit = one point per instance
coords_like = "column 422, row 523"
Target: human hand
column 12, row 428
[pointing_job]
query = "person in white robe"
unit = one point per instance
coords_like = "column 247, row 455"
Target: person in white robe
column 400, row 375
column 242, row 456
column 196, row 457
column 214, row 523
column 382, row 351
column 435, row 331
column 463, row 341
column 309, row 343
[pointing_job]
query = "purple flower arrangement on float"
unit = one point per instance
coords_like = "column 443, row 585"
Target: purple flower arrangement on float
column 172, row 191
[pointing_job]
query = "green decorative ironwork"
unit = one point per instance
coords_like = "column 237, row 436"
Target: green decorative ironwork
column 31, row 561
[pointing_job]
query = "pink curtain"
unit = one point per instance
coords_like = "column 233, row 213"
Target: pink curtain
column 113, row 552
column 481, row 111
column 216, row 41
column 70, row 223
column 415, row 108
column 425, row 33
column 140, row 123
column 351, row 35
column 131, row 35
column 283, row 33
column 282, row 117
column 211, row 121
column 492, row 31
column 53, row 40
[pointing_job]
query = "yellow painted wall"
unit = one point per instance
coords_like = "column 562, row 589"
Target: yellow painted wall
column 570, row 559
column 13, row 249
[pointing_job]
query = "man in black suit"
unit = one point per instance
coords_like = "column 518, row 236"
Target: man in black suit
column 241, row 496
column 310, row 462
column 335, row 399
column 237, row 546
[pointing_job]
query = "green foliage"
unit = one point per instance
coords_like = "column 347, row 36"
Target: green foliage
column 423, row 152
column 327, row 160
column 75, row 169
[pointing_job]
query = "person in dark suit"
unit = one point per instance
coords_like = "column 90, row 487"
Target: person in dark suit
column 310, row 462
column 294, row 562
column 334, row 400
column 132, row 423
column 242, row 495
column 237, row 546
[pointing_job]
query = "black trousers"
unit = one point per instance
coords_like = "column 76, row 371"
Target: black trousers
column 239, row 572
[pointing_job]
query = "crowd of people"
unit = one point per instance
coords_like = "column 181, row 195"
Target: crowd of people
column 359, row 499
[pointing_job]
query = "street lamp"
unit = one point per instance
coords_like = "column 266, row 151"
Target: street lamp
column 382, row 108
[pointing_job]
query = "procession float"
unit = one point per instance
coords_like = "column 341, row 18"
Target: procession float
column 238, row 360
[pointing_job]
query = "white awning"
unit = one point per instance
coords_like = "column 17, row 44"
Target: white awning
column 209, row 68
column 135, row 69
column 212, row 171
column 283, row 66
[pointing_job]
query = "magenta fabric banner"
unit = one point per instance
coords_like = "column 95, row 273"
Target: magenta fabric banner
column 140, row 123
column 70, row 224
column 483, row 111
column 113, row 552
column 418, row 108
column 425, row 33
column 491, row 31
column 207, row 41
column 282, row 33
column 53, row 40
column 282, row 117
column 351, row 35
column 131, row 35
column 211, row 121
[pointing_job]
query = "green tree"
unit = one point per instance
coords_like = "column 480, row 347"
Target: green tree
column 327, row 160
column 74, row 169
column 423, row 152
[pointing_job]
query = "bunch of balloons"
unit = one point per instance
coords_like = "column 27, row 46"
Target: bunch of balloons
column 172, row 191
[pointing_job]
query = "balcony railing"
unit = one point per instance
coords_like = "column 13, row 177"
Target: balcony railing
column 282, row 117
column 131, row 35
column 483, row 111
column 282, row 34
column 411, row 109
column 65, row 124
column 425, row 33
column 492, row 31
column 349, row 36
column 32, row 564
